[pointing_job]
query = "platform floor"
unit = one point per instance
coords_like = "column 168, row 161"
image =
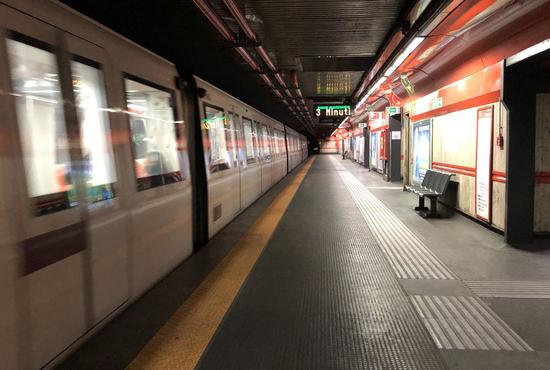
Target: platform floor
column 332, row 269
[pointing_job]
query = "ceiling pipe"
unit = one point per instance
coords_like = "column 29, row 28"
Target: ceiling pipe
column 294, row 82
column 251, row 35
column 241, row 20
column 280, row 79
column 216, row 21
column 267, row 81
column 265, row 57
column 248, row 58
column 228, row 34
column 294, row 78
column 249, row 32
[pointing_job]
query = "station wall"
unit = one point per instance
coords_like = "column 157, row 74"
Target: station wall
column 453, row 149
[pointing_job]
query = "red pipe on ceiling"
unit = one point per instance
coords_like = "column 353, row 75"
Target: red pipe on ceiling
column 248, row 58
column 265, row 57
column 249, row 32
column 294, row 78
column 241, row 20
column 216, row 21
column 279, row 78
column 226, row 32
column 267, row 80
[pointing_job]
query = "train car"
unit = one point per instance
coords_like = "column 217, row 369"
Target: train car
column 244, row 152
column 96, row 196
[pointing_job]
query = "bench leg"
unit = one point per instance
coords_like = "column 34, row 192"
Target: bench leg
column 433, row 207
column 421, row 205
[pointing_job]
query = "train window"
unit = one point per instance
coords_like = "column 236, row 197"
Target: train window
column 231, row 138
column 39, row 107
column 241, row 149
column 249, row 140
column 214, row 131
column 276, row 143
column 97, row 150
column 153, row 132
column 266, row 143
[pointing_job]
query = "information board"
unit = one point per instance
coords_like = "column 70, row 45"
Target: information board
column 332, row 111
column 484, row 163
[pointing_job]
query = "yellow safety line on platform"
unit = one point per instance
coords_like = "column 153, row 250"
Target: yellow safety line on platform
column 180, row 343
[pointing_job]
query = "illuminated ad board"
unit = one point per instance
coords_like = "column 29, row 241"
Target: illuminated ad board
column 421, row 150
column 328, row 113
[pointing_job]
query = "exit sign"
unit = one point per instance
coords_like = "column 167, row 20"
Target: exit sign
column 390, row 111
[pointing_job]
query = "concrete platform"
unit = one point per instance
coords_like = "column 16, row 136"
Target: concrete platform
column 349, row 278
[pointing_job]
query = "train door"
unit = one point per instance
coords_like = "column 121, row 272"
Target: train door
column 106, row 218
column 54, row 178
column 220, row 166
column 157, row 183
column 10, row 257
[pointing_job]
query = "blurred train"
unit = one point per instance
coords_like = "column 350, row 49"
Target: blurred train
column 114, row 168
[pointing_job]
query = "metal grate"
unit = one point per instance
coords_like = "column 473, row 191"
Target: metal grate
column 407, row 254
column 466, row 323
column 510, row 289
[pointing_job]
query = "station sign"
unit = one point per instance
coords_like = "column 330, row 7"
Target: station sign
column 390, row 111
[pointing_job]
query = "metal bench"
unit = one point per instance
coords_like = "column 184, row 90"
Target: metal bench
column 433, row 186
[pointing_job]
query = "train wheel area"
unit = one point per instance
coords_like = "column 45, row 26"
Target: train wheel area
column 368, row 284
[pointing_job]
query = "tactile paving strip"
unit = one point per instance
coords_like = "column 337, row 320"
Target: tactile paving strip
column 407, row 254
column 322, row 295
column 466, row 323
column 510, row 289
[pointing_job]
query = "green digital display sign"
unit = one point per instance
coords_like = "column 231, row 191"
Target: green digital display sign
column 332, row 111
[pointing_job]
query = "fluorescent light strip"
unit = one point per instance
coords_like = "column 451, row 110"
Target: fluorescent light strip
column 389, row 71
column 529, row 52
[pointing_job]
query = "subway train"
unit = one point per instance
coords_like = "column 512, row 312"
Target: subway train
column 114, row 168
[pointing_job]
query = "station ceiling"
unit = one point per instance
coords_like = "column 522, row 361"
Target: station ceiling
column 330, row 43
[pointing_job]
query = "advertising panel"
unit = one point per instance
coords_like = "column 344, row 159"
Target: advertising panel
column 374, row 150
column 421, row 149
column 484, row 163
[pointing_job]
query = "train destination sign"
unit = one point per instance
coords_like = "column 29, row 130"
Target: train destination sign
column 332, row 111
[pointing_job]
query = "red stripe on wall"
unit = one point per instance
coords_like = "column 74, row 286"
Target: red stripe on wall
column 542, row 177
column 463, row 170
column 489, row 98
column 499, row 176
